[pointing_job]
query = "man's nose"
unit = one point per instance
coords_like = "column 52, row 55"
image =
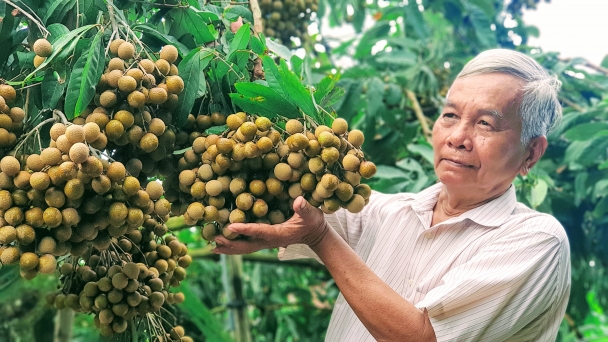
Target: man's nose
column 460, row 137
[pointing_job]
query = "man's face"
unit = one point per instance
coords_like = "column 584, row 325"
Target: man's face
column 476, row 138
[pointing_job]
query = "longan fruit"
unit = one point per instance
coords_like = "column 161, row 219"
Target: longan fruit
column 10, row 165
column 214, row 187
column 175, row 85
column 163, row 67
column 169, row 53
column 116, row 171
column 79, row 153
column 74, row 189
column 147, row 65
column 344, row 191
column 108, row 99
column 244, row 201
column 297, row 142
column 339, row 126
column 136, row 99
column 234, row 121
column 126, row 51
column 276, row 217
column 9, row 255
column 8, row 234
column 367, row 169
column 25, row 234
column 47, row 245
column 47, row 264
column 52, row 217
column 34, row 217
column 13, row 216
column 364, row 190
column 28, row 261
column 114, row 46
column 34, row 162
column 330, row 155
column 22, row 180
column 54, row 197
column 237, row 186
column 260, row 208
column 356, row 204
column 17, row 114
column 237, row 216
column 157, row 127
column 157, row 95
column 283, row 171
column 116, row 64
column 8, row 93
column 127, row 84
column 155, row 190
column 43, row 47
column 263, row 123
column 91, row 131
column 353, row 178
column 136, row 73
column 356, row 138
column 257, row 187
column 131, row 185
column 294, row 126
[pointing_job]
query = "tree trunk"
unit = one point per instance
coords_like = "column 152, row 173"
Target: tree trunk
column 63, row 325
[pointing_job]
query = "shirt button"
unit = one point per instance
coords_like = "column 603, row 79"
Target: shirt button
column 428, row 235
column 411, row 281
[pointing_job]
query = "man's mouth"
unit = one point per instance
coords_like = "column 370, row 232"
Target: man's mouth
column 457, row 163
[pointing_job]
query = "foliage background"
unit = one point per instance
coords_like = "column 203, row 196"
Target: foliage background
column 404, row 56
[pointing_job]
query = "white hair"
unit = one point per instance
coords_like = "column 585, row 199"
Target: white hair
column 540, row 109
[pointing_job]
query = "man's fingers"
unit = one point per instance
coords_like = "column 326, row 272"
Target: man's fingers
column 226, row 246
column 249, row 229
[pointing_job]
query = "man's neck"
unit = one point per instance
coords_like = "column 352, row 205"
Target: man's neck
column 455, row 203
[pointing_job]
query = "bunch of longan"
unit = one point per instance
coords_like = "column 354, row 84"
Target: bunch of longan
column 134, row 108
column 284, row 19
column 119, row 287
column 253, row 172
column 11, row 118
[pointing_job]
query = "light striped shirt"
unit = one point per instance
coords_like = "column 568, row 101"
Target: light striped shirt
column 499, row 272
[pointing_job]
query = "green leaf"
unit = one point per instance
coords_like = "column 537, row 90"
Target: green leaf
column 326, row 85
column 216, row 129
column 57, row 10
column 240, row 40
column 297, row 92
column 603, row 165
column 56, row 31
column 481, row 24
column 538, row 193
column 584, row 131
column 52, row 89
column 278, row 49
column 601, row 188
column 146, row 29
column 601, row 208
column 190, row 72
column 390, row 172
column 414, row 19
column 186, row 21
column 273, row 77
column 397, row 58
column 375, row 92
column 425, row 151
column 258, row 99
column 296, row 65
column 233, row 12
column 258, row 44
column 84, row 78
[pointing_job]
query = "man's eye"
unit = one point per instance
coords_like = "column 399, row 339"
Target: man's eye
column 449, row 115
column 485, row 123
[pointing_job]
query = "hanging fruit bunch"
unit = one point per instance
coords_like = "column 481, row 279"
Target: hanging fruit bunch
column 255, row 170
column 284, row 19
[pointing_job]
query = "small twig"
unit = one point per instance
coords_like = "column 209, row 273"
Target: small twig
column 30, row 17
column 258, row 26
column 111, row 13
column 32, row 131
column 571, row 104
column 419, row 114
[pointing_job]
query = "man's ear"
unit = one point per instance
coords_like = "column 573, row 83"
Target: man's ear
column 535, row 149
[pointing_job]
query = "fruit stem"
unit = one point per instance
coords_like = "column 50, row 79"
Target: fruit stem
column 258, row 26
column 30, row 17
column 133, row 330
column 419, row 114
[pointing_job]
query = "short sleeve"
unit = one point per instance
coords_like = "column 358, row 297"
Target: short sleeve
column 515, row 288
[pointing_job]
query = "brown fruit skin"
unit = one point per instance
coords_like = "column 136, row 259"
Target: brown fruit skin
column 367, row 169
column 175, row 84
column 8, row 93
column 10, row 166
column 38, row 61
column 43, row 47
column 114, row 46
column 157, row 95
column 126, row 51
column 169, row 53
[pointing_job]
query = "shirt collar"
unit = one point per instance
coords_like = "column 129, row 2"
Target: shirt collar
column 491, row 214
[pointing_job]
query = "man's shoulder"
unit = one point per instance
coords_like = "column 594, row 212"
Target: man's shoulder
column 535, row 222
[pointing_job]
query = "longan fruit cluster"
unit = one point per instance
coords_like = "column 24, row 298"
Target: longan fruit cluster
column 11, row 118
column 252, row 174
column 119, row 287
column 133, row 107
column 65, row 200
column 43, row 49
column 284, row 19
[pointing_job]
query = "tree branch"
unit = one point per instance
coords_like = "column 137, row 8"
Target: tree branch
column 419, row 114
column 258, row 27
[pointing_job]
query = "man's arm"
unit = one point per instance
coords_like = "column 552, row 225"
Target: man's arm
column 386, row 315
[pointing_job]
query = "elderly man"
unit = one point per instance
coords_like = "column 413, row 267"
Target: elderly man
column 462, row 260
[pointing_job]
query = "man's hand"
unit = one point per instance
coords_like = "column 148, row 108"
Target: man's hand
column 307, row 226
